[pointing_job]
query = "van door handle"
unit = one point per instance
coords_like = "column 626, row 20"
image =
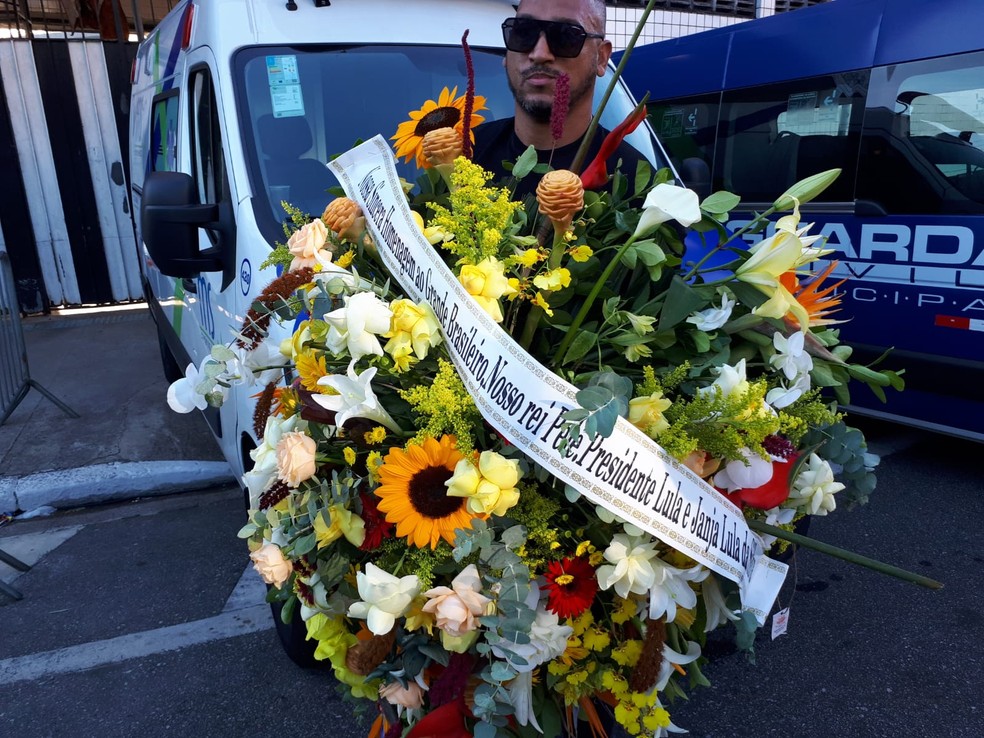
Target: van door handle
column 189, row 285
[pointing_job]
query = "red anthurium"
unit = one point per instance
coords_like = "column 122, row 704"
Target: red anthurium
column 447, row 721
column 595, row 176
column 772, row 493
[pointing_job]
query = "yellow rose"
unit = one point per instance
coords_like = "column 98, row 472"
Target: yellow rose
column 269, row 561
column 487, row 282
column 295, row 458
column 646, row 413
column 490, row 487
column 412, row 325
column 306, row 242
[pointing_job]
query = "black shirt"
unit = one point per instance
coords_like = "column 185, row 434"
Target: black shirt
column 496, row 141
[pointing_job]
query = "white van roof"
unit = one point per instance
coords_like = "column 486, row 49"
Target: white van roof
column 225, row 25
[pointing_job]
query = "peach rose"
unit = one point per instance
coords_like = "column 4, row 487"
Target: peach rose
column 306, row 242
column 410, row 697
column 458, row 609
column 269, row 561
column 295, row 458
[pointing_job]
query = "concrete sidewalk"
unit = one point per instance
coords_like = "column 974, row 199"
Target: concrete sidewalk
column 105, row 364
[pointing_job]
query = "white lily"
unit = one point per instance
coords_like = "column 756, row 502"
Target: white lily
column 731, row 380
column 718, row 611
column 672, row 589
column 356, row 326
column 671, row 657
column 631, row 568
column 668, row 202
column 384, row 598
column 355, row 398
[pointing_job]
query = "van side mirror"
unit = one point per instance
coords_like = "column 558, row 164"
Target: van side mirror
column 170, row 216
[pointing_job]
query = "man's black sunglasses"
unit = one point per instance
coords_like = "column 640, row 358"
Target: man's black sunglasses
column 564, row 39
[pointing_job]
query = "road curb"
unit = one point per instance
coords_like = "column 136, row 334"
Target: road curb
column 91, row 485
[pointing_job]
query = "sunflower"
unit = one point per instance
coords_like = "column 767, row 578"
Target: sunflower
column 571, row 586
column 413, row 496
column 447, row 112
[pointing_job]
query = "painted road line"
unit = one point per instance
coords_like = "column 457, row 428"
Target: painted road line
column 250, row 590
column 32, row 547
column 135, row 645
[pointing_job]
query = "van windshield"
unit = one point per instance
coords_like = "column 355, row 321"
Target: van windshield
column 301, row 105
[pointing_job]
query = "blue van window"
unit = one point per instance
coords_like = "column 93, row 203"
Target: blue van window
column 923, row 145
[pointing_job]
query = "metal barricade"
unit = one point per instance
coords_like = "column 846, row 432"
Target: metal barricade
column 15, row 376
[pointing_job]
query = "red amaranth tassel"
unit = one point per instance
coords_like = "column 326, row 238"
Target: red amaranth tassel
column 561, row 105
column 466, row 143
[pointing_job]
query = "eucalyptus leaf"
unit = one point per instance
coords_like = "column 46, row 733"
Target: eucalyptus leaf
column 525, row 163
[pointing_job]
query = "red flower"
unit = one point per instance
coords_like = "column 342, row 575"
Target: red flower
column 772, row 493
column 596, row 174
column 377, row 527
column 571, row 586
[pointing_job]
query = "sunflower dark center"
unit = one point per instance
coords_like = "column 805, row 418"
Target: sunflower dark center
column 429, row 496
column 438, row 118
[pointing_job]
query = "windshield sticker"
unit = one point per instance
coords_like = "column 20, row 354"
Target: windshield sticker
column 285, row 87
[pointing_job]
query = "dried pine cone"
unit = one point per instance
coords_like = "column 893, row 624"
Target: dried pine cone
column 560, row 195
column 365, row 656
column 442, row 146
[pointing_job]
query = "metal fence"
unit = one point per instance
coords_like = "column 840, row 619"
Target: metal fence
column 15, row 374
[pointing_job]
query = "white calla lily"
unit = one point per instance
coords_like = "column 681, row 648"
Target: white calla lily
column 355, row 398
column 668, row 202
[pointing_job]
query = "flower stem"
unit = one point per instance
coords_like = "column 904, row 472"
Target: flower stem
column 533, row 319
column 583, row 312
column 844, row 554
column 582, row 151
column 741, row 231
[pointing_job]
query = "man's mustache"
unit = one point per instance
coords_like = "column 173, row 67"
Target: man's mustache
column 531, row 71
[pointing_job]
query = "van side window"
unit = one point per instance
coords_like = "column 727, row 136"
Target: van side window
column 688, row 130
column 207, row 160
column 923, row 142
column 163, row 152
column 771, row 137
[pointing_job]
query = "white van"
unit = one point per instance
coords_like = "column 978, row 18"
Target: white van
column 238, row 104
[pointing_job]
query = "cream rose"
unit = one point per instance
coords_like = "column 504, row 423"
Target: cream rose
column 306, row 242
column 269, row 561
column 295, row 458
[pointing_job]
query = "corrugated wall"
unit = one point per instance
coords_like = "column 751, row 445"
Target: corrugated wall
column 64, row 210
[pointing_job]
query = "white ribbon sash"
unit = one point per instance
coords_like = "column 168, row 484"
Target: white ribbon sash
column 626, row 473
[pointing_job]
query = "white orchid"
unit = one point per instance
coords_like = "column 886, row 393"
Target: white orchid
column 713, row 318
column 355, row 326
column 672, row 589
column 631, row 566
column 264, row 471
column 384, row 598
column 668, row 202
column 261, row 365
column 785, row 395
column 814, row 488
column 776, row 516
column 791, row 357
column 731, row 380
column 355, row 398
column 189, row 392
